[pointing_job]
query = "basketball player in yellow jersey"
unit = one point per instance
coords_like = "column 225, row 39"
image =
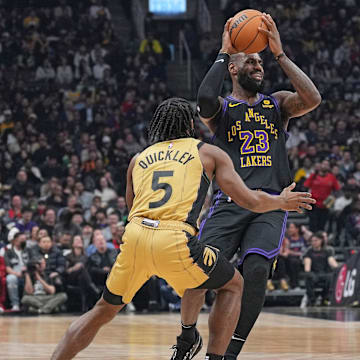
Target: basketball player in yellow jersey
column 166, row 187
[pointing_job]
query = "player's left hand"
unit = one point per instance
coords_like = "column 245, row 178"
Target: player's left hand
column 272, row 34
column 296, row 201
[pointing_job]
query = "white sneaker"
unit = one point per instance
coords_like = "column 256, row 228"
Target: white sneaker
column 304, row 302
column 130, row 307
column 15, row 308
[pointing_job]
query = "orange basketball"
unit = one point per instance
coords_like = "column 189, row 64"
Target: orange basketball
column 244, row 33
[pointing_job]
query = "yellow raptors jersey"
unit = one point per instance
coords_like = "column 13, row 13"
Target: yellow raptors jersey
column 169, row 182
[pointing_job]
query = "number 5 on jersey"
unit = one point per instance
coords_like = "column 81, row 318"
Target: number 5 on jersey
column 156, row 185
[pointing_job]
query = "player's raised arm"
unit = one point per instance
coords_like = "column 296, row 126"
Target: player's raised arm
column 219, row 163
column 307, row 96
column 209, row 100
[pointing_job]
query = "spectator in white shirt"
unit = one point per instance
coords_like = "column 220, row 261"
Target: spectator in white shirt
column 81, row 55
column 45, row 71
column 64, row 72
column 97, row 52
column 99, row 68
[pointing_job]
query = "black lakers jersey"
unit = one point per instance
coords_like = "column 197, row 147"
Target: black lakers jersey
column 254, row 138
column 169, row 182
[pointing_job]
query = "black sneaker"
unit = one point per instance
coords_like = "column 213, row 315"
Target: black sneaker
column 185, row 350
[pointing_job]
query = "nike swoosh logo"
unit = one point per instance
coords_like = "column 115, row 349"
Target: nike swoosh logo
column 233, row 105
column 220, row 60
column 237, row 338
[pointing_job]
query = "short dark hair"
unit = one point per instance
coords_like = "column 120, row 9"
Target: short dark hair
column 18, row 234
column 171, row 120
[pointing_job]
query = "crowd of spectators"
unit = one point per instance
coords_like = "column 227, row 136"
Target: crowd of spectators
column 74, row 104
column 75, row 99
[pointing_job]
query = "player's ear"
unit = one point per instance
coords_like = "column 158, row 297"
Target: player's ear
column 232, row 68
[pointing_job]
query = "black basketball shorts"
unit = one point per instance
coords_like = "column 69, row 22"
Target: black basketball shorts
column 231, row 228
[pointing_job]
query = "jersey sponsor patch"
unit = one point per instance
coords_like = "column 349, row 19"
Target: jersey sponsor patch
column 266, row 104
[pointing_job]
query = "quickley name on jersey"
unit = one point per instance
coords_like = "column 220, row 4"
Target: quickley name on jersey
column 254, row 138
column 169, row 182
column 183, row 157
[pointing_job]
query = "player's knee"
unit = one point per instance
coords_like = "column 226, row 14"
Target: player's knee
column 256, row 269
column 105, row 311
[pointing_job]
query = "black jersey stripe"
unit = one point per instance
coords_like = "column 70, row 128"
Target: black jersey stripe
column 198, row 203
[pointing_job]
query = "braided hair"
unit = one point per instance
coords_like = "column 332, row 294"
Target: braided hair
column 171, row 120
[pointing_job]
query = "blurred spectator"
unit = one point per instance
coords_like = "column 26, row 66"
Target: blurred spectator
column 86, row 233
column 91, row 248
column 64, row 73
column 112, row 219
column 33, row 240
column 121, row 209
column 25, row 224
column 117, row 232
column 99, row 69
column 101, row 261
column 340, row 204
column 280, row 271
column 2, row 284
column 169, row 296
column 77, row 273
column 49, row 221
column 16, row 259
column 322, row 184
column 21, row 184
column 295, row 246
column 303, row 172
column 318, row 265
column 352, row 224
column 45, row 71
column 104, row 190
column 55, row 261
column 41, row 295
column 14, row 213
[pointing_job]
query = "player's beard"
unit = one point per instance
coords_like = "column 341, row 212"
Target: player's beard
column 250, row 84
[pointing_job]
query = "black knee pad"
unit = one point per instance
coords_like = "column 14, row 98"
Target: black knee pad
column 256, row 269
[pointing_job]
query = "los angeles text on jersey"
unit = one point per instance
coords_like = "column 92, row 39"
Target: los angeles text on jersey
column 254, row 142
column 169, row 155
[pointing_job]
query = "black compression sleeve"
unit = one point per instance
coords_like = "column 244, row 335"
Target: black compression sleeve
column 210, row 88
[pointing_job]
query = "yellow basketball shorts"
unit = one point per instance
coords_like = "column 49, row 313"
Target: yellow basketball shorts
column 167, row 249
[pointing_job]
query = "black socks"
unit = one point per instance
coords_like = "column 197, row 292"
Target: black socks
column 188, row 332
column 213, row 357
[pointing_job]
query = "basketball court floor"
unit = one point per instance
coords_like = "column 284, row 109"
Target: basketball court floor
column 280, row 333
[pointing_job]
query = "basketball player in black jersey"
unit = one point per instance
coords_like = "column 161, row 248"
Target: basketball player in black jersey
column 251, row 128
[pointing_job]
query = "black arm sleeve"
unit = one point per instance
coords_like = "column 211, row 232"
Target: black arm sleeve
column 210, row 88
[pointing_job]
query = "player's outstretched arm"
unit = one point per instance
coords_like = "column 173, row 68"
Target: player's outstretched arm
column 257, row 201
column 208, row 99
column 307, row 96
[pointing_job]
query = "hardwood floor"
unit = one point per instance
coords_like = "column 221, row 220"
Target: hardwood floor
column 135, row 337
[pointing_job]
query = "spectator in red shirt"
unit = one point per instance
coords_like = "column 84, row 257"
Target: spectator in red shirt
column 321, row 183
column 14, row 213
